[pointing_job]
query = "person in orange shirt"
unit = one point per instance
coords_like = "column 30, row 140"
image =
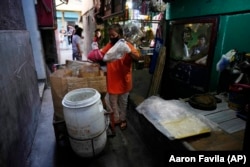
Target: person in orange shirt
column 119, row 78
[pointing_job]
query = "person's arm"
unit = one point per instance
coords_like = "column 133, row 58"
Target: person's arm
column 105, row 49
column 134, row 52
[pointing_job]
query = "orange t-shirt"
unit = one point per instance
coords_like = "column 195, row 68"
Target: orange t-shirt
column 119, row 72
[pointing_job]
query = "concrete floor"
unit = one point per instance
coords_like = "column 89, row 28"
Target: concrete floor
column 126, row 149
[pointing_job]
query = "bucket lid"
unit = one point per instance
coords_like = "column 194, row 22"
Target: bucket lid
column 81, row 98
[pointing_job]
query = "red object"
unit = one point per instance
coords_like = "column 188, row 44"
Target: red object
column 239, row 96
column 54, row 67
column 239, row 87
column 95, row 55
column 46, row 14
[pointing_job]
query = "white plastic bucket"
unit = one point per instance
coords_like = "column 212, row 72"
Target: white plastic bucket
column 85, row 121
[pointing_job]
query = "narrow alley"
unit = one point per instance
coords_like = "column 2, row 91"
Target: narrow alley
column 182, row 75
column 126, row 149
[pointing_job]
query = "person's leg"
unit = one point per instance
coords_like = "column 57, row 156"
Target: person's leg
column 112, row 107
column 107, row 103
column 78, row 56
column 113, row 101
column 75, row 56
column 122, row 102
column 111, row 115
column 109, row 110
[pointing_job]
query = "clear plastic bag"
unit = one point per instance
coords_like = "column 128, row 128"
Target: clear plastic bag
column 117, row 51
column 132, row 32
column 173, row 118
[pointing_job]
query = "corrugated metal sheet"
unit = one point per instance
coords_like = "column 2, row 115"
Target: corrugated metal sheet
column 233, row 125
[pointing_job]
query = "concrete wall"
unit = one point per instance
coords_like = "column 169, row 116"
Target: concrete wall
column 20, row 103
column 89, row 27
column 35, row 37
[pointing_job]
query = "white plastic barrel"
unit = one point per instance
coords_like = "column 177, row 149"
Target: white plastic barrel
column 85, row 121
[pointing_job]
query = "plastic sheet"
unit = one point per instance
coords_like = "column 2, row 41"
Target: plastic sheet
column 172, row 118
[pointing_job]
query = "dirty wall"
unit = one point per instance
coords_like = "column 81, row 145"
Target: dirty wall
column 20, row 102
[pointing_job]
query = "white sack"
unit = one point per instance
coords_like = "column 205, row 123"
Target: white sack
column 117, row 51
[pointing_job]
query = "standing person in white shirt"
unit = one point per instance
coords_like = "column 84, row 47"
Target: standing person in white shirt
column 76, row 44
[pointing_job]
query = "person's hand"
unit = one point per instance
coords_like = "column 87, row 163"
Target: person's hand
column 94, row 45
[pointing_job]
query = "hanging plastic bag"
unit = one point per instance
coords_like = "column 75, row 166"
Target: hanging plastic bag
column 117, row 51
column 132, row 32
column 157, row 5
column 225, row 60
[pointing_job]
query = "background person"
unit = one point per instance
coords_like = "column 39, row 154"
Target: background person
column 198, row 52
column 97, row 43
column 98, row 37
column 186, row 37
column 76, row 44
column 119, row 79
column 74, row 31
